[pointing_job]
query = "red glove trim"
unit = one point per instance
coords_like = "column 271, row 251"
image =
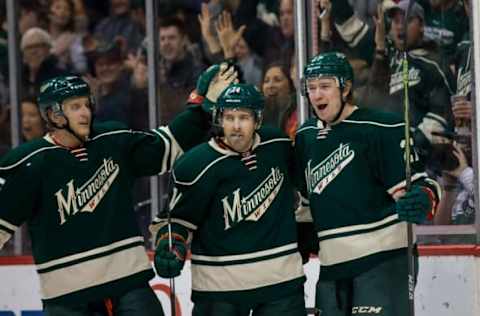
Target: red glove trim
column 175, row 236
column 434, row 201
column 195, row 98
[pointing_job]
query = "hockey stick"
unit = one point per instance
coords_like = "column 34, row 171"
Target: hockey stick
column 171, row 280
column 408, row 167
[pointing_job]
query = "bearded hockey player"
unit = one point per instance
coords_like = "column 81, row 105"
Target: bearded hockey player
column 73, row 188
column 352, row 178
column 233, row 198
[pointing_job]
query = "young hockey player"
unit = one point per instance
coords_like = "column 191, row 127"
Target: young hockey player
column 352, row 167
column 73, row 188
column 233, row 198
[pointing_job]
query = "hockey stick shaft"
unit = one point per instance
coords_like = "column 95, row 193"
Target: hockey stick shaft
column 173, row 311
column 408, row 166
column 408, row 183
column 171, row 280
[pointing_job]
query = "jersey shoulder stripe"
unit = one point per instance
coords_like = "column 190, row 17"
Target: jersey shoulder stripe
column 25, row 152
column 197, row 162
column 106, row 127
column 268, row 132
column 269, row 135
column 311, row 124
column 372, row 117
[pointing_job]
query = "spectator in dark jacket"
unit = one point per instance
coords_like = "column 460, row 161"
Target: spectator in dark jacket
column 120, row 25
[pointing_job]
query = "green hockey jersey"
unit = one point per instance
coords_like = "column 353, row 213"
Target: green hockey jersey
column 445, row 26
column 240, row 210
column 348, row 176
column 78, row 205
column 430, row 80
column 430, row 87
column 464, row 66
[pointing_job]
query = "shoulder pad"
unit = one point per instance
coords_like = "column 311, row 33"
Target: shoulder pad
column 109, row 126
column 195, row 164
column 310, row 123
column 268, row 132
column 24, row 153
column 376, row 116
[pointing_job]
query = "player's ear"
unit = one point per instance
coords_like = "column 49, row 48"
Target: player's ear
column 55, row 117
column 346, row 90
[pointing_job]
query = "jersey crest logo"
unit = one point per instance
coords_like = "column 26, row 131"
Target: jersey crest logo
column 320, row 176
column 87, row 197
column 396, row 79
column 253, row 206
column 464, row 81
column 439, row 35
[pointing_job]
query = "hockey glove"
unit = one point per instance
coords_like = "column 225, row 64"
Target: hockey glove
column 169, row 263
column 415, row 205
column 224, row 77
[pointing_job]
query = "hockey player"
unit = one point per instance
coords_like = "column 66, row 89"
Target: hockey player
column 73, row 188
column 352, row 178
column 234, row 199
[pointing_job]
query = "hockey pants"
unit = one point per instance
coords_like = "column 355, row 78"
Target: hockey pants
column 289, row 306
column 136, row 302
column 380, row 291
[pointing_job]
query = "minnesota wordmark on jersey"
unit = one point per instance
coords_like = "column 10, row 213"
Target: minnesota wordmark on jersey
column 252, row 206
column 319, row 176
column 86, row 197
column 396, row 80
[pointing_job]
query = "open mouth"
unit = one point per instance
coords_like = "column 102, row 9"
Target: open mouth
column 322, row 107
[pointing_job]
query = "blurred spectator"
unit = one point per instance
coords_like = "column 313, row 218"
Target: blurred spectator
column 31, row 15
column 120, row 24
column 286, row 18
column 445, row 23
column 209, row 36
column 249, row 62
column 4, row 129
column 356, row 35
column 244, row 14
column 137, row 12
column 66, row 43
column 185, row 10
column 283, row 47
column 81, row 19
column 179, row 69
column 3, row 42
column 457, row 205
column 96, row 11
column 430, row 82
column 39, row 64
column 235, row 47
column 33, row 126
column 463, row 61
column 280, row 104
column 111, row 84
column 365, row 10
